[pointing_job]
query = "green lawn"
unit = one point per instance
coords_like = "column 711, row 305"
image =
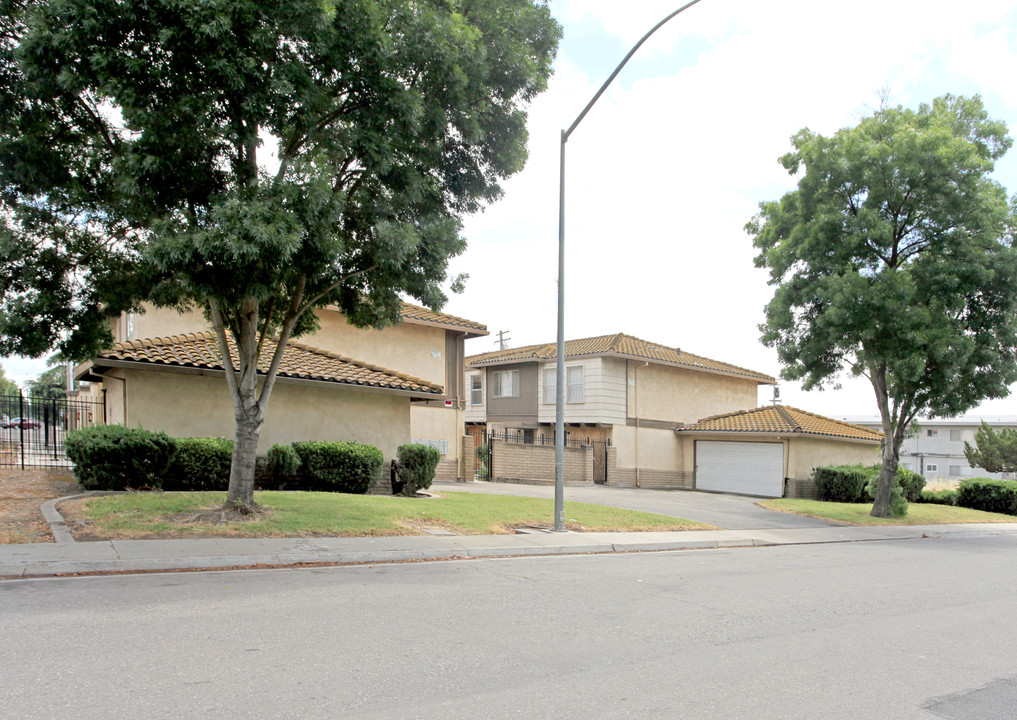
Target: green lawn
column 858, row 513
column 290, row 514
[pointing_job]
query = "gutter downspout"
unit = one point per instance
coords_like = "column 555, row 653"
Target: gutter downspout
column 635, row 376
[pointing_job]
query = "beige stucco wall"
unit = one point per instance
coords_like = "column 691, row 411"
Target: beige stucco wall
column 651, row 448
column 438, row 423
column 200, row 406
column 158, row 322
column 416, row 350
column 806, row 454
column 659, row 392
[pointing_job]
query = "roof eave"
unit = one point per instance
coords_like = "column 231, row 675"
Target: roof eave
column 110, row 363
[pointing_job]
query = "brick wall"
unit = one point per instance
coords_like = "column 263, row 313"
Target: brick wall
column 801, row 489
column 468, row 455
column 534, row 464
column 648, row 478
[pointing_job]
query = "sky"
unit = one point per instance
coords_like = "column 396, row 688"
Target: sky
column 676, row 156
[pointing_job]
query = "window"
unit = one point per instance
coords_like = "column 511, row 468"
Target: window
column 955, row 435
column 931, row 468
column 931, row 433
column 505, row 383
column 955, row 470
column 549, row 383
column 476, row 389
column 573, row 384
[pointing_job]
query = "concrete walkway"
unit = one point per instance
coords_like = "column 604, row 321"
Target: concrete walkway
column 66, row 557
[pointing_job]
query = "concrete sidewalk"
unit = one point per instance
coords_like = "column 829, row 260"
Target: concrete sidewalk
column 124, row 556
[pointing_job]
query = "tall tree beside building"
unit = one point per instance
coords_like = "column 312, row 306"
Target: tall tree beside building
column 994, row 450
column 258, row 158
column 894, row 260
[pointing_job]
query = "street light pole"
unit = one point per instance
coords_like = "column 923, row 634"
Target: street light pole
column 559, row 403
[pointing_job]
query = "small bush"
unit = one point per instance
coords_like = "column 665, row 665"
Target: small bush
column 114, row 457
column 417, row 465
column 910, row 483
column 339, row 466
column 938, row 497
column 998, row 496
column 843, row 483
column 200, row 464
column 283, row 462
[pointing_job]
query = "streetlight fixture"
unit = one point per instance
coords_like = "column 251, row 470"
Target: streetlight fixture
column 559, row 404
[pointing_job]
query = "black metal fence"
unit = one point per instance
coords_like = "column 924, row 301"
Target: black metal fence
column 33, row 428
column 483, row 453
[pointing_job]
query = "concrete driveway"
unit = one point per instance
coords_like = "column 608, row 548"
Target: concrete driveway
column 728, row 512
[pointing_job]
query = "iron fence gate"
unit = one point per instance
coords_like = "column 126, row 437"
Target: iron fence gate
column 33, row 428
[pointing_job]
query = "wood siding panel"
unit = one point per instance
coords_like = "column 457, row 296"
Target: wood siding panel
column 514, row 409
column 603, row 393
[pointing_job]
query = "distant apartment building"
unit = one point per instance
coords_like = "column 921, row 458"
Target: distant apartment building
column 935, row 448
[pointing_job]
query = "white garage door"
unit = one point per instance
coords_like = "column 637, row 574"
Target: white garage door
column 745, row 468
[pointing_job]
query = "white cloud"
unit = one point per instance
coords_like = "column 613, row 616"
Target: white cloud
column 670, row 164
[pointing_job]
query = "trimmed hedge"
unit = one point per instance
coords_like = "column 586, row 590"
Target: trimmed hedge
column 998, row 496
column 340, row 466
column 114, row 457
column 857, row 483
column 200, row 464
column 938, row 497
column 841, row 483
column 417, row 466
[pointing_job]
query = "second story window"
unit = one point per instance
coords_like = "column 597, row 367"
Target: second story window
column 573, row 384
column 574, row 389
column 476, row 390
column 505, row 384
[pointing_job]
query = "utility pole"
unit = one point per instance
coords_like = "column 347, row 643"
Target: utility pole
column 502, row 341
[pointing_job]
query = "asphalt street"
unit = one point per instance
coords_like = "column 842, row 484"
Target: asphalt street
column 898, row 629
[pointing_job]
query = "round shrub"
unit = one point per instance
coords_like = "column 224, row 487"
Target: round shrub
column 283, row 462
column 417, row 466
column 114, row 457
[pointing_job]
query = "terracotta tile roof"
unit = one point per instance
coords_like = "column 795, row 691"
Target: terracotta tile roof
column 200, row 350
column 415, row 313
column 618, row 345
column 783, row 420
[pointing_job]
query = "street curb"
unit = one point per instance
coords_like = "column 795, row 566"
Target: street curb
column 57, row 524
column 123, row 566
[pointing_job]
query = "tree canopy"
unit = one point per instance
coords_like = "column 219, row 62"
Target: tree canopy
column 894, row 259
column 994, row 451
column 258, row 158
column 7, row 386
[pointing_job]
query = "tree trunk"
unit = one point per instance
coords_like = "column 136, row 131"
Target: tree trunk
column 245, row 447
column 887, row 477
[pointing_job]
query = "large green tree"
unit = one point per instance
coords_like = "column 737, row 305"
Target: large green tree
column 995, row 451
column 257, row 158
column 894, row 259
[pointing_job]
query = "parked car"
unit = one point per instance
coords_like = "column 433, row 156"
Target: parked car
column 23, row 423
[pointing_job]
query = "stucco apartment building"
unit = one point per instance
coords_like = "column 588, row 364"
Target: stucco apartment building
column 384, row 387
column 647, row 400
column 935, row 448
